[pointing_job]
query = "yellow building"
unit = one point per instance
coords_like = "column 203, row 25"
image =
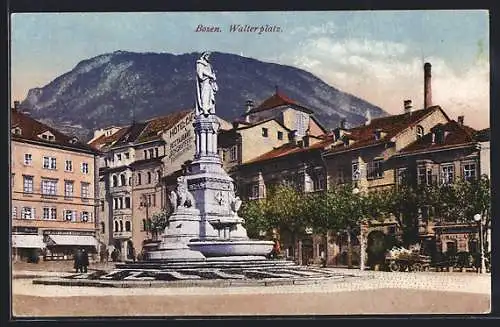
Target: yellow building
column 53, row 191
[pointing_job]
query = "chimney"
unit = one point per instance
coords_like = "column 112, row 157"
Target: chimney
column 407, row 106
column 249, row 106
column 427, row 86
column 461, row 120
column 16, row 105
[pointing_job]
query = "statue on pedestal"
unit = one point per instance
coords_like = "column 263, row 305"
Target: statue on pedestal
column 181, row 197
column 206, row 86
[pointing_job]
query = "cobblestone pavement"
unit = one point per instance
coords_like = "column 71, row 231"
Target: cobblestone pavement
column 370, row 292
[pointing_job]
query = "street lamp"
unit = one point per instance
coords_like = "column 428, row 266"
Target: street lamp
column 478, row 219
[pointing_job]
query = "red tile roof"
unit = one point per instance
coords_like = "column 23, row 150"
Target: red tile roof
column 455, row 135
column 275, row 101
column 30, row 129
column 290, row 149
column 141, row 132
column 391, row 126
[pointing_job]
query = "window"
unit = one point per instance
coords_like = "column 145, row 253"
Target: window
column 145, row 154
column 154, row 199
column 127, row 155
column 14, row 212
column 424, row 175
column 27, row 184
column 447, row 174
column 402, row 176
column 139, row 181
column 254, row 191
column 116, row 226
column 85, row 168
column 127, row 202
column 144, row 225
column 121, row 225
column 85, row 190
column 374, row 169
column 68, row 188
column 130, row 181
column 49, row 163
column 341, row 178
column 149, row 177
column 122, row 180
column 280, row 135
column 28, row 159
column 70, row 215
column 115, row 203
column 149, row 200
column 156, row 152
column 49, row 187
column 28, row 213
column 103, row 227
column 85, row 216
column 127, row 226
column 102, row 205
column 120, row 200
column 115, row 181
column 233, row 153
column 49, row 213
column 356, row 171
column 151, row 153
column 469, row 171
column 119, row 157
column 420, row 132
column 158, row 175
column 68, row 165
column 318, row 182
column 264, row 132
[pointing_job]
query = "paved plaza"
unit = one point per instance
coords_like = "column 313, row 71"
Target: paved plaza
column 366, row 292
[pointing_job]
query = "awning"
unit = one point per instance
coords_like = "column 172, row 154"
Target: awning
column 82, row 240
column 27, row 241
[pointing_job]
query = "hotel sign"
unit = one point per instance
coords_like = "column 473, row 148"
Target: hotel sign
column 181, row 137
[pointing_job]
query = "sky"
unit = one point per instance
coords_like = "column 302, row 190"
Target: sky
column 375, row 55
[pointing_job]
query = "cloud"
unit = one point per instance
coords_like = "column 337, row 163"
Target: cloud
column 326, row 28
column 387, row 73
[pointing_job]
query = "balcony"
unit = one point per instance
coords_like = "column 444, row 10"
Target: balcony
column 122, row 235
column 120, row 189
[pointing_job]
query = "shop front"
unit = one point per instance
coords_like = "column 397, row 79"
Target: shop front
column 27, row 247
column 62, row 246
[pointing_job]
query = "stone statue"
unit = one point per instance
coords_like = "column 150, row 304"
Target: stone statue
column 234, row 202
column 206, row 86
column 181, row 197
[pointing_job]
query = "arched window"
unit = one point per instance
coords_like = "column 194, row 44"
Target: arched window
column 420, row 132
column 121, row 225
column 130, row 181
column 149, row 177
column 103, row 228
column 127, row 226
column 122, row 180
column 127, row 202
column 139, row 179
column 116, row 226
column 115, row 181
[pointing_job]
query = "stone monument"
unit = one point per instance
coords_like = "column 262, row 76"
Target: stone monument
column 205, row 221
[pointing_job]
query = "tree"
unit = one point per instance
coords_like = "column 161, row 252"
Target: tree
column 256, row 217
column 158, row 223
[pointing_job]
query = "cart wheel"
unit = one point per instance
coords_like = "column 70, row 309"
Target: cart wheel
column 394, row 266
column 417, row 267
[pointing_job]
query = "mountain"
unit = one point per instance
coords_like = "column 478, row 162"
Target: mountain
column 114, row 88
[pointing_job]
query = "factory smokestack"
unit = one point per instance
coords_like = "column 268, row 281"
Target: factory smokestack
column 427, row 86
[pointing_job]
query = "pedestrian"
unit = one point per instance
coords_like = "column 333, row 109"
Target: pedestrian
column 85, row 261
column 133, row 254
column 106, row 255
column 78, row 260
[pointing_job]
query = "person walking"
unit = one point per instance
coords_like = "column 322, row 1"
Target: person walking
column 85, row 261
column 78, row 260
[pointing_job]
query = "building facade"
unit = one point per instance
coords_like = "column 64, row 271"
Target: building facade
column 53, row 191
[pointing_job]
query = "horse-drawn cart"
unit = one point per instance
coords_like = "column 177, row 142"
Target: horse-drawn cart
column 401, row 259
